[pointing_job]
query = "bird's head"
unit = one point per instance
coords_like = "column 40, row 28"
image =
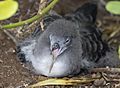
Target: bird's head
column 58, row 44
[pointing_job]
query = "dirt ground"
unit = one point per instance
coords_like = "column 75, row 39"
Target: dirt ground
column 12, row 71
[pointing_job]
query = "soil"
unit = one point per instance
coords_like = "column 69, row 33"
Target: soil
column 12, row 73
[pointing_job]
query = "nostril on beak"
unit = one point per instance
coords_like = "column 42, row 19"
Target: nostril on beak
column 55, row 46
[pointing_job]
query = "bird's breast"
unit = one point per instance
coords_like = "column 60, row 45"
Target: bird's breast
column 43, row 63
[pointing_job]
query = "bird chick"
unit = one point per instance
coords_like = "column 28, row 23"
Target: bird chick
column 69, row 45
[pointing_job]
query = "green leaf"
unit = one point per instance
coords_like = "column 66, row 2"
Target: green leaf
column 7, row 9
column 113, row 7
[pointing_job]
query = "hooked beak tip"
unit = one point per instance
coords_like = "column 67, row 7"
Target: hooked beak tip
column 51, row 66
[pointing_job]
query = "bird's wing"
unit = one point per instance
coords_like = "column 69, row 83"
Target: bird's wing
column 90, row 36
column 85, row 15
column 25, row 48
column 92, row 44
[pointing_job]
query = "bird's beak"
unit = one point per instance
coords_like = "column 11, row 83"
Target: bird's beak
column 53, row 61
column 55, row 51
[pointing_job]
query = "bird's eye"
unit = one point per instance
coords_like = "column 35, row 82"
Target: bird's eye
column 68, row 40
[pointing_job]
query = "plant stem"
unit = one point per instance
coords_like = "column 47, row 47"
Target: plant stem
column 34, row 18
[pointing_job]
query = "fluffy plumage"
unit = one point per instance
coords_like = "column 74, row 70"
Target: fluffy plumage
column 69, row 45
